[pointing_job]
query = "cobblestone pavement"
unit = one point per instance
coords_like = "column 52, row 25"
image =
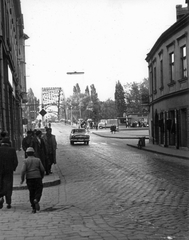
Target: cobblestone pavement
column 107, row 192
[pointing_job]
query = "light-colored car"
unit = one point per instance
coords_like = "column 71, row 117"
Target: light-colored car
column 79, row 135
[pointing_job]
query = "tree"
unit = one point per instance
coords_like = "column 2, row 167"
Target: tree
column 95, row 103
column 120, row 99
column 84, row 105
column 144, row 90
column 76, row 89
column 87, row 91
column 134, row 93
column 108, row 109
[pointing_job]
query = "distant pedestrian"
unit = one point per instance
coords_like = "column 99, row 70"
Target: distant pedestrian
column 113, row 129
column 8, row 164
column 51, row 146
column 27, row 141
column 33, row 171
column 40, row 150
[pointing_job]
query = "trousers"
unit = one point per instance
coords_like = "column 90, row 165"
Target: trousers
column 6, row 186
column 35, row 187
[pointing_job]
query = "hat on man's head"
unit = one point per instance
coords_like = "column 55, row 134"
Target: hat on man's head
column 29, row 132
column 30, row 149
column 38, row 132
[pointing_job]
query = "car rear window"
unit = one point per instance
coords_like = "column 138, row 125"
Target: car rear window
column 79, row 131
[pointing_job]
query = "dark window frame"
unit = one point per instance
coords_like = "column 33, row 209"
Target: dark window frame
column 171, row 66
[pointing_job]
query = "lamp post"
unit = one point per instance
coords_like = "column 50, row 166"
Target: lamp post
column 74, row 73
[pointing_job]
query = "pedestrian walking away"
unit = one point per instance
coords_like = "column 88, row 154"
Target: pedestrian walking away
column 27, row 141
column 33, row 171
column 8, row 164
column 51, row 146
column 40, row 150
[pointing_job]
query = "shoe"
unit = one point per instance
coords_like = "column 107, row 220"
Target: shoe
column 34, row 210
column 1, row 202
column 8, row 206
column 37, row 207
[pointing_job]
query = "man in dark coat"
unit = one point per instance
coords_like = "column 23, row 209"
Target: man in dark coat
column 8, row 164
column 27, row 141
column 40, row 150
column 51, row 146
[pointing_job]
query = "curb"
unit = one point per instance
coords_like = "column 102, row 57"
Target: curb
column 143, row 148
column 118, row 136
column 45, row 185
column 162, row 153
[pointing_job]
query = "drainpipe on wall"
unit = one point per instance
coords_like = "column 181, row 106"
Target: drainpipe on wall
column 153, row 120
column 177, row 128
column 165, row 145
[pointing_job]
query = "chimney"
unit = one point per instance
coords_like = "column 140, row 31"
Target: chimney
column 182, row 11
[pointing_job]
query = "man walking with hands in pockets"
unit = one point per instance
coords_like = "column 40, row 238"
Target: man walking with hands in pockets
column 34, row 171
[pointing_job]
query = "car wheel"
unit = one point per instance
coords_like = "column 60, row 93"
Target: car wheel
column 87, row 142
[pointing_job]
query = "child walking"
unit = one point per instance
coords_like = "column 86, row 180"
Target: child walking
column 34, row 172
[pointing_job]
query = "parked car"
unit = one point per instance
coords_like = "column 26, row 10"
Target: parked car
column 79, row 135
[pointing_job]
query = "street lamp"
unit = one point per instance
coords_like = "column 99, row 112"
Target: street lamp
column 72, row 73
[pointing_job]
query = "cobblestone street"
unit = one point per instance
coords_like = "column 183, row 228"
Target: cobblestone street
column 107, row 192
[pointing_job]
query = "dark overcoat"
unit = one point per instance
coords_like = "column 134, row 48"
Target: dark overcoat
column 8, row 159
column 53, row 145
column 8, row 164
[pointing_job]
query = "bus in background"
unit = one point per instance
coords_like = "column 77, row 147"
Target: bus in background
column 107, row 123
column 102, row 123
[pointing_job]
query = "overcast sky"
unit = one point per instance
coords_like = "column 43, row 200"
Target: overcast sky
column 106, row 39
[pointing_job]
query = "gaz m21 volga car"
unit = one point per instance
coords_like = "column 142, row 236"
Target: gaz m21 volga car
column 79, row 135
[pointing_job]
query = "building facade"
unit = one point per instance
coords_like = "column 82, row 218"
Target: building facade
column 12, row 70
column 168, row 63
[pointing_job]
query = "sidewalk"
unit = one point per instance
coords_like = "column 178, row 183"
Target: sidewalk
column 134, row 135
column 48, row 180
